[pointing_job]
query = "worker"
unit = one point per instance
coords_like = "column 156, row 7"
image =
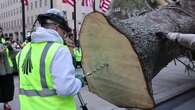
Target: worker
column 47, row 75
column 77, row 53
column 6, row 73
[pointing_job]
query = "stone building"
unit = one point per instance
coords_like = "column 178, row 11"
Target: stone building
column 11, row 14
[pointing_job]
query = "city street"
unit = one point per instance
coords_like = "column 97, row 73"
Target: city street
column 163, row 89
column 185, row 101
column 124, row 47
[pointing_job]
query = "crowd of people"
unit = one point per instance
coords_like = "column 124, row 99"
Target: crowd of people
column 8, row 50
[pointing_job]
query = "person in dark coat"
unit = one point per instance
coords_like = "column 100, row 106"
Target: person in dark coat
column 6, row 70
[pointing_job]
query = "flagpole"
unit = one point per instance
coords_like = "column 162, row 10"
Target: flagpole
column 94, row 6
column 23, row 21
column 75, row 22
column 51, row 3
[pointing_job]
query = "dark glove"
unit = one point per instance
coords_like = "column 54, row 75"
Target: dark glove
column 81, row 78
column 162, row 35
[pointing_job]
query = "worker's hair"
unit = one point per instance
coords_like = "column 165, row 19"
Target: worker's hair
column 48, row 24
column 1, row 28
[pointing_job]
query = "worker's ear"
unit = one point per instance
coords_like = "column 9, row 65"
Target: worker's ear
column 56, row 28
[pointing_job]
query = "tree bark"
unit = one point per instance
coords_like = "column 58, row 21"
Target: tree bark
column 115, row 71
column 140, row 30
column 105, row 50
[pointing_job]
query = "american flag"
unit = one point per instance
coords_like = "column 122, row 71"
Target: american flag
column 25, row 2
column 104, row 5
column 71, row 2
column 87, row 2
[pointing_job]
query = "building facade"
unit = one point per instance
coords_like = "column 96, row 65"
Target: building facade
column 11, row 14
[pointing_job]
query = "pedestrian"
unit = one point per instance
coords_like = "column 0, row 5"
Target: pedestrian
column 15, row 49
column 47, row 75
column 6, row 70
column 77, row 53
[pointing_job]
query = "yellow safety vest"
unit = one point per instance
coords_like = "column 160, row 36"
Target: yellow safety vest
column 36, row 84
column 77, row 54
column 7, row 54
column 3, row 40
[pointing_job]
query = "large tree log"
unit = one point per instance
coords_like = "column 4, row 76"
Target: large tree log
column 116, row 72
column 124, row 55
column 153, row 52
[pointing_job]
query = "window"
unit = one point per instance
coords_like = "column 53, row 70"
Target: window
column 17, row 10
column 11, row 24
column 14, row 23
column 40, row 3
column 35, row 4
column 31, row 19
column 28, row 20
column 27, row 7
column 18, row 22
column 11, row 12
column 8, row 2
column 21, row 22
column 31, row 5
column 45, row 2
column 8, row 24
column 14, row 12
column 21, row 9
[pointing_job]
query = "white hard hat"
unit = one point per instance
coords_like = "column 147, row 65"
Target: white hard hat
column 56, row 12
column 56, row 16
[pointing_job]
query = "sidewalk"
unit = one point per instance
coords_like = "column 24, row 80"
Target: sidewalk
column 172, row 81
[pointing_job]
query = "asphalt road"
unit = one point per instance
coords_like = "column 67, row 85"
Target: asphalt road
column 185, row 101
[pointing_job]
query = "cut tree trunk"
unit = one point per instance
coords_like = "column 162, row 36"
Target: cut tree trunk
column 117, row 75
column 124, row 55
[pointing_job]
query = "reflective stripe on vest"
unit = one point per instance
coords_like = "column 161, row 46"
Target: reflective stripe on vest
column 9, row 58
column 42, row 65
column 45, row 91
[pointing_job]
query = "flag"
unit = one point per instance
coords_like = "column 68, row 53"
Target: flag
column 25, row 2
column 70, row 2
column 87, row 2
column 104, row 5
